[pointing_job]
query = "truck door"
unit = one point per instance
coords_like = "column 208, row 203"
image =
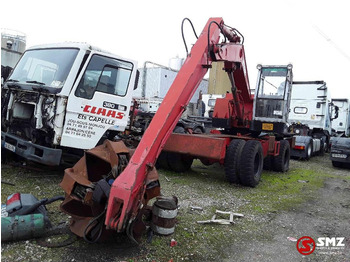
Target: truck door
column 99, row 101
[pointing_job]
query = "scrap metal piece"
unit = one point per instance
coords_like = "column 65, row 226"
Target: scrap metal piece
column 196, row 208
column 214, row 220
column 87, row 186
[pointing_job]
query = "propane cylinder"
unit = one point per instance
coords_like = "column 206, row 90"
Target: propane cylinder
column 164, row 212
column 22, row 227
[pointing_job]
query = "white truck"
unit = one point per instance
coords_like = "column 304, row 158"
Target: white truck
column 64, row 98
column 310, row 118
column 209, row 101
column 153, row 85
column 341, row 125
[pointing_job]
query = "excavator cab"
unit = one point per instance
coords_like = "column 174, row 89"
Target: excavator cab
column 272, row 99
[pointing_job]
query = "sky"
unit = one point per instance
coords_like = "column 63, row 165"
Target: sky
column 312, row 35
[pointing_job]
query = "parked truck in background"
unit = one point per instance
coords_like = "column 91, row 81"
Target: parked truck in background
column 209, row 101
column 310, row 118
column 153, row 85
column 341, row 124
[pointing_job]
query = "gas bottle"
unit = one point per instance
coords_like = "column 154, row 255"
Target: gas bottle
column 22, row 227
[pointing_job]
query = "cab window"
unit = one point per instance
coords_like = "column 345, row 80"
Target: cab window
column 105, row 75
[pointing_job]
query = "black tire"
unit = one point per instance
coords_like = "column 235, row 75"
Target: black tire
column 268, row 163
column 197, row 130
column 322, row 148
column 162, row 161
column 179, row 162
column 232, row 160
column 281, row 162
column 337, row 164
column 251, row 163
column 206, row 162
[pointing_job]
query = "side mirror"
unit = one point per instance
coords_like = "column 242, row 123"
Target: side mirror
column 137, row 79
column 336, row 113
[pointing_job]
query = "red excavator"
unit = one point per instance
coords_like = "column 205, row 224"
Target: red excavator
column 108, row 189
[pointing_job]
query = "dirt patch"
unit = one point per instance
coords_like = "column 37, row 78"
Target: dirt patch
column 326, row 215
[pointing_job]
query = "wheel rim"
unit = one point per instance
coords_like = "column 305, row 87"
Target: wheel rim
column 309, row 151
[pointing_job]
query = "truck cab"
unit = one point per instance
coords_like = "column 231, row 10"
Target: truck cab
column 310, row 118
column 64, row 97
column 341, row 124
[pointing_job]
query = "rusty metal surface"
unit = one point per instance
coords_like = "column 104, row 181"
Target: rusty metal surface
column 79, row 183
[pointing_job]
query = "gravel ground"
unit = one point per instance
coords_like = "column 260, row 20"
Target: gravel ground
column 312, row 199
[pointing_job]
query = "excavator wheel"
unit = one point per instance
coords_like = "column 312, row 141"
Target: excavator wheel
column 179, row 162
column 162, row 161
column 268, row 163
column 281, row 162
column 232, row 160
column 251, row 164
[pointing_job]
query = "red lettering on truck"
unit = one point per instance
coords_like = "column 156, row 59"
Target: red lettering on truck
column 103, row 112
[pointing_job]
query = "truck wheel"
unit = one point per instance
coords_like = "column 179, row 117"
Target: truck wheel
column 337, row 164
column 281, row 162
column 251, row 163
column 268, row 164
column 232, row 160
column 179, row 162
column 162, row 161
column 322, row 148
column 308, row 151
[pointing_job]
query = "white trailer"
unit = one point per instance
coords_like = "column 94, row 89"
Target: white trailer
column 154, row 83
column 341, row 125
column 209, row 101
column 310, row 118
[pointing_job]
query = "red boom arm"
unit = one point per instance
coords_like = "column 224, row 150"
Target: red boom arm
column 128, row 188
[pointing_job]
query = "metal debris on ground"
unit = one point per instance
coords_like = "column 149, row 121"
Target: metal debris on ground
column 7, row 183
column 293, row 239
column 214, row 220
column 303, row 181
column 196, row 208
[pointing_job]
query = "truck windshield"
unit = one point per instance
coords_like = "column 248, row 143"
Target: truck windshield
column 47, row 67
column 272, row 83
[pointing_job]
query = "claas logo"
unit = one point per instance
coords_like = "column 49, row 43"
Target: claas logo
column 103, row 112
